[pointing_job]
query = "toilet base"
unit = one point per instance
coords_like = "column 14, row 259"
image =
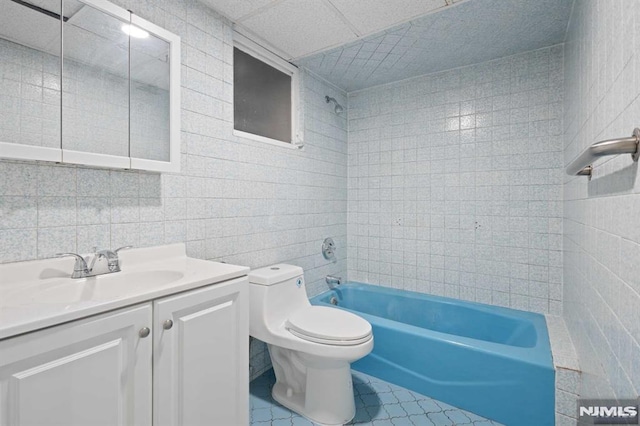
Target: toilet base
column 317, row 388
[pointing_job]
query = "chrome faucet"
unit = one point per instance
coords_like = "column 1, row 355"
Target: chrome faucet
column 81, row 270
column 333, row 280
column 111, row 256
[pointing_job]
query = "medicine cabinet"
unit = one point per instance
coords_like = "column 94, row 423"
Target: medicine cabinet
column 87, row 82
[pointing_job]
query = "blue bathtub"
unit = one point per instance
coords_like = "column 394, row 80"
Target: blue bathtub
column 495, row 362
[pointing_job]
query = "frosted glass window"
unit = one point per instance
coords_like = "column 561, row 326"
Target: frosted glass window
column 261, row 98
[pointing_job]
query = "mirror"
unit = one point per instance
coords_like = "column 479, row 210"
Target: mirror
column 106, row 93
column 150, row 96
column 95, row 84
column 30, row 74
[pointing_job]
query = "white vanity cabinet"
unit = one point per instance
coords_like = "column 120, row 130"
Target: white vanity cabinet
column 177, row 360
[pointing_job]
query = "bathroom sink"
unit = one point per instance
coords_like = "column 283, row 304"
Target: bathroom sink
column 101, row 287
column 41, row 293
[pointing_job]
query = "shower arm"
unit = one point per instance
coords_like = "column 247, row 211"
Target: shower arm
column 338, row 108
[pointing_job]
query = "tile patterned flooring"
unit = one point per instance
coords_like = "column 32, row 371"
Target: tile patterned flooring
column 378, row 403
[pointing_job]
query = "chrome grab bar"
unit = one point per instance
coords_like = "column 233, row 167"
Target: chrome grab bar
column 582, row 166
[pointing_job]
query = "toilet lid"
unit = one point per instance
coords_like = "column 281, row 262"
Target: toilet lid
column 329, row 325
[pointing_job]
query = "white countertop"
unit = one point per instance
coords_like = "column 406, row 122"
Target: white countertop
column 40, row 293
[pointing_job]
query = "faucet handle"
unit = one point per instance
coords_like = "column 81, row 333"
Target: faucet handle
column 80, row 269
column 114, row 262
column 122, row 248
column 77, row 256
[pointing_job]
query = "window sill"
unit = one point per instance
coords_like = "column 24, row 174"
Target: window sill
column 241, row 134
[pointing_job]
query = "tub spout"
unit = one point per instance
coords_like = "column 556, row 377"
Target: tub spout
column 333, row 280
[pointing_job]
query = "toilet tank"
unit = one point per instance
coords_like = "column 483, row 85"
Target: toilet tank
column 275, row 292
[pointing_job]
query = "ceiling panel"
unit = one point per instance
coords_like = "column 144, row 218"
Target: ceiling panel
column 361, row 43
column 371, row 16
column 236, row 9
column 299, row 27
column 467, row 33
column 303, row 27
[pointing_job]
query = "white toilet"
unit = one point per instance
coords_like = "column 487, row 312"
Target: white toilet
column 311, row 347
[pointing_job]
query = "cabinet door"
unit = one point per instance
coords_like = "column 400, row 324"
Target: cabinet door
column 95, row 85
column 95, row 371
column 201, row 363
column 154, row 101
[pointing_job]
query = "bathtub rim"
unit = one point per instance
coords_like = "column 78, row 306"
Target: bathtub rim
column 539, row 355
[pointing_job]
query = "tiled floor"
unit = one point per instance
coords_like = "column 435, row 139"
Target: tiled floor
column 377, row 403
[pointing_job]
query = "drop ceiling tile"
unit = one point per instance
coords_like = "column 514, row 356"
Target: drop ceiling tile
column 369, row 16
column 469, row 33
column 236, row 9
column 300, row 27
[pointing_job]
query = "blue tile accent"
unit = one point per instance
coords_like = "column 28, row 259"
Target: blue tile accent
column 261, row 414
column 387, row 397
column 404, row 396
column 440, row 419
column 457, row 417
column 279, row 412
column 378, row 403
column 412, row 408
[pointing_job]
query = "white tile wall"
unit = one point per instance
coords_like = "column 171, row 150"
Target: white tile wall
column 567, row 367
column 95, row 110
column 602, row 235
column 235, row 200
column 29, row 96
column 455, row 182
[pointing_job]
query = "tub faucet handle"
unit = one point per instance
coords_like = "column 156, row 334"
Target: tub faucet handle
column 333, row 280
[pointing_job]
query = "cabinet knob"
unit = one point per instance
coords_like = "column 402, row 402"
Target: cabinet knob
column 144, row 332
column 167, row 324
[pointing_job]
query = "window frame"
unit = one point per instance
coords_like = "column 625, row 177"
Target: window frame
column 252, row 48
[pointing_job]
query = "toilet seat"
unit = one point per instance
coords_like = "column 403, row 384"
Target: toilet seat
column 329, row 326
